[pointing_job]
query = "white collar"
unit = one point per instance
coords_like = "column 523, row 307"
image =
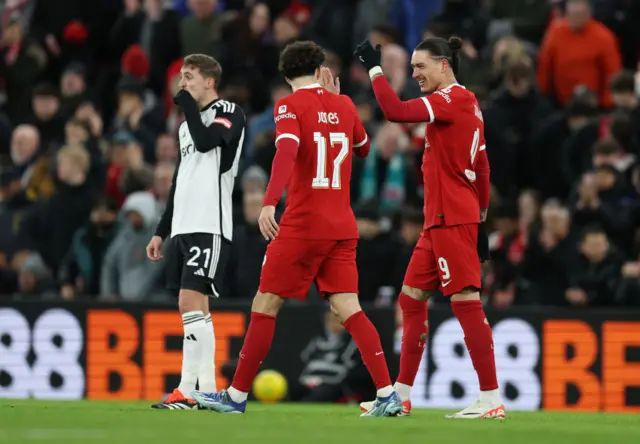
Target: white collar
column 312, row 86
column 454, row 84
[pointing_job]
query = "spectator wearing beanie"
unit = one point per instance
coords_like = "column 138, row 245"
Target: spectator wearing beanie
column 152, row 29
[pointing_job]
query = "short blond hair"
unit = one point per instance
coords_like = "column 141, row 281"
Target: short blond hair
column 77, row 155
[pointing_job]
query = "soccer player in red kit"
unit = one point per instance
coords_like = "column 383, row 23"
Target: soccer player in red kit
column 456, row 188
column 316, row 133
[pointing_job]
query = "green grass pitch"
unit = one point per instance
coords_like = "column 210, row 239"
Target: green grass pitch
column 61, row 422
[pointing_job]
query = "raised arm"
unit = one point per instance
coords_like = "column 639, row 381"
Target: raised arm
column 361, row 141
column 220, row 132
column 394, row 109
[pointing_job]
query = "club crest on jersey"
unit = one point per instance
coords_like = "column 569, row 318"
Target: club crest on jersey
column 282, row 109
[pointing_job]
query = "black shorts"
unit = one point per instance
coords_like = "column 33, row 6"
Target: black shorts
column 197, row 261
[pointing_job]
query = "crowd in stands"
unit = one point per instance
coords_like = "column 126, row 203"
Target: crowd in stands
column 88, row 148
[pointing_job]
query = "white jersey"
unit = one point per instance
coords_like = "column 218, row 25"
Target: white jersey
column 200, row 201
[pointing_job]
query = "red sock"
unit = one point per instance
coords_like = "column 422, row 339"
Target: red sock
column 414, row 337
column 257, row 343
column 367, row 339
column 479, row 340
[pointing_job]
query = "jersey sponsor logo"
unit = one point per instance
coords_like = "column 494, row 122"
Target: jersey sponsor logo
column 331, row 118
column 285, row 116
column 444, row 95
column 282, row 109
column 222, row 121
column 187, row 149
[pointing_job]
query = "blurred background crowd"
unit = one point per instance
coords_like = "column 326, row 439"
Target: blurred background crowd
column 88, row 149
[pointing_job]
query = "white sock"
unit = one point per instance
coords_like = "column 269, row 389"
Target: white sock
column 237, row 395
column 403, row 391
column 490, row 397
column 194, row 332
column 384, row 392
column 207, row 370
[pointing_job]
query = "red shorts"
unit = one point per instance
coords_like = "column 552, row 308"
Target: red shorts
column 291, row 265
column 445, row 259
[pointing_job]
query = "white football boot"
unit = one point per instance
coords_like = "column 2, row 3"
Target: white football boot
column 481, row 410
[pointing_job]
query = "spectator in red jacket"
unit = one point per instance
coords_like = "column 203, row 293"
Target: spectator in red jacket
column 578, row 50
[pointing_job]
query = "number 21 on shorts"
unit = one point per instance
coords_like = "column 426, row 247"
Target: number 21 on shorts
column 193, row 262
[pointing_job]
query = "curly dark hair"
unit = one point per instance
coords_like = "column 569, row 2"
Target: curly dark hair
column 300, row 59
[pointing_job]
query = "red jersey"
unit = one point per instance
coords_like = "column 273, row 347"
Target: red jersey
column 454, row 192
column 453, row 138
column 324, row 128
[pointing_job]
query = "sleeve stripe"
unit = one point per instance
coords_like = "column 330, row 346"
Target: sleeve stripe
column 428, row 105
column 358, row 145
column 288, row 136
column 227, row 107
column 483, row 147
column 222, row 121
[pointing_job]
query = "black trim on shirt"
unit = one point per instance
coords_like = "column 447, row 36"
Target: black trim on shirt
column 207, row 138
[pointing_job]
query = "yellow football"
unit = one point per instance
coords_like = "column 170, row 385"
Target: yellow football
column 270, row 386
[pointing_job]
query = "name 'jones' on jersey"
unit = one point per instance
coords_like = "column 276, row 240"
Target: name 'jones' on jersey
column 204, row 185
column 327, row 128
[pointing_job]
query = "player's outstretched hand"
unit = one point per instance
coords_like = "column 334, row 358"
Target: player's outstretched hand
column 327, row 82
column 182, row 98
column 368, row 55
column 154, row 249
column 267, row 222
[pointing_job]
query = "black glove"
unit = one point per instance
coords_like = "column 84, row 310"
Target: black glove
column 483, row 243
column 368, row 55
column 183, row 98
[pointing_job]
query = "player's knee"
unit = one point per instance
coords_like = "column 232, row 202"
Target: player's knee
column 467, row 294
column 416, row 293
column 267, row 303
column 344, row 305
column 190, row 300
